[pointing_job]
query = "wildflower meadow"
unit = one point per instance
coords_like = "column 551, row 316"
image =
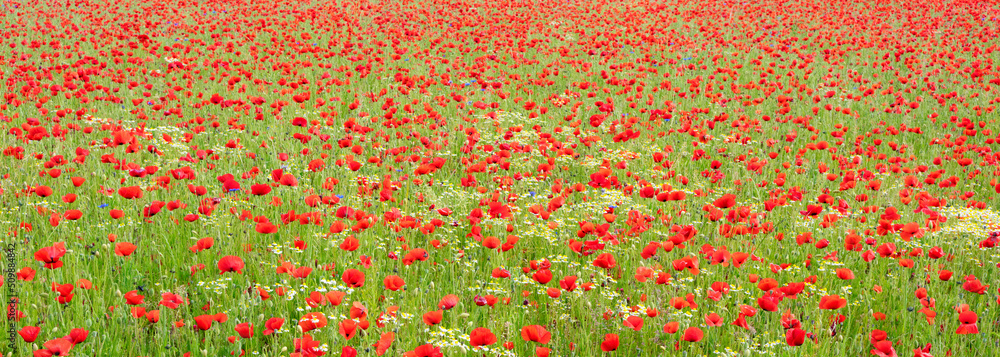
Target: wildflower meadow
column 500, row 178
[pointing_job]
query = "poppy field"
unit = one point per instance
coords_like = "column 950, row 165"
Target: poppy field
column 500, row 178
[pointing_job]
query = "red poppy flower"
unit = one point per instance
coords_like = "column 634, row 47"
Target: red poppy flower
column 610, row 342
column 245, row 330
column 973, row 285
column 448, row 301
column 910, row 230
column 795, row 337
column 432, row 318
column 414, row 255
column 230, row 263
column 482, row 336
column 73, row 214
column 605, row 261
column 350, row 244
column 204, row 322
column 56, row 347
column 393, row 282
column 26, row 274
column 427, row 350
column 29, row 333
column 202, row 244
column 714, row 319
column 923, row 352
column 51, row 255
column 65, row 292
column 568, row 283
column 171, row 300
column 266, row 228
column 133, row 298
column 633, row 322
column 353, row 278
column 832, row 302
column 726, row 201
column 384, row 342
column 845, row 274
column 335, row 297
column 307, row 347
column 301, row 272
column 312, row 321
column 77, row 336
column 812, row 211
column 693, row 334
column 43, row 191
column 124, row 249
column 260, row 189
column 130, row 192
column 543, row 276
column 967, row 320
column 767, row 284
column 536, row 333
column 500, row 273
column 884, row 349
column 491, row 242
column 273, row 324
column 153, row 316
